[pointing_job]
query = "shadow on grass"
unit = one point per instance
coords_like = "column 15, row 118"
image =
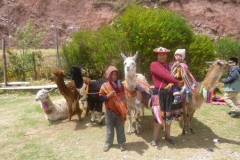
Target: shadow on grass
column 80, row 125
column 203, row 138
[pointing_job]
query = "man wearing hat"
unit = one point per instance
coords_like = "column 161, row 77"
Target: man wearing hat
column 161, row 76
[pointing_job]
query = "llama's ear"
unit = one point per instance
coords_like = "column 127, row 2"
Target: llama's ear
column 220, row 62
column 123, row 56
column 45, row 90
column 209, row 63
column 135, row 56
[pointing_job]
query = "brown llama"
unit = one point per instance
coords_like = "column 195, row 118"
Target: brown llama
column 209, row 83
column 69, row 92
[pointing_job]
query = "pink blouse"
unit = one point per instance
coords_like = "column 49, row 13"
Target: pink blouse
column 161, row 75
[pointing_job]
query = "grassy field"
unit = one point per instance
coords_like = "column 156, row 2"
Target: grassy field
column 26, row 134
column 49, row 62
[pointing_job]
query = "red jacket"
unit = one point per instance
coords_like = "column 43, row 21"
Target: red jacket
column 161, row 75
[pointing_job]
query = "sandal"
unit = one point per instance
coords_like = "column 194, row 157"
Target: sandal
column 171, row 140
column 153, row 143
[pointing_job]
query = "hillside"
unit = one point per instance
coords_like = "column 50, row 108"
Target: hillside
column 213, row 17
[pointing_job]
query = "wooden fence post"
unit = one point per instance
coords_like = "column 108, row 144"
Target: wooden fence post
column 4, row 63
column 56, row 40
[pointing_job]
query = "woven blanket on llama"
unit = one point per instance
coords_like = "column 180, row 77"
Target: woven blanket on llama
column 144, row 87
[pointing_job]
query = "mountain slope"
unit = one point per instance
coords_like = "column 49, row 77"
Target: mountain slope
column 210, row 17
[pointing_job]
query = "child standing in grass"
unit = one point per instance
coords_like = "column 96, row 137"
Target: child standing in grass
column 112, row 92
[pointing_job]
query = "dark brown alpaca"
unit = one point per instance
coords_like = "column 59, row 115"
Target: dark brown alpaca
column 69, row 92
column 210, row 82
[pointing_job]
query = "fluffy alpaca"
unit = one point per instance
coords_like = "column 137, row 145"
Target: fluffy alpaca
column 209, row 83
column 54, row 110
column 91, row 93
column 76, row 75
column 133, row 92
column 69, row 92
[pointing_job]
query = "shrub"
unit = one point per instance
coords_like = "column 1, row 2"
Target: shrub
column 200, row 50
column 95, row 49
column 147, row 29
column 227, row 47
column 21, row 62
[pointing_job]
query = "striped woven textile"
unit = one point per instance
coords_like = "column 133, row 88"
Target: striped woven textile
column 47, row 104
column 117, row 103
column 143, row 87
column 206, row 94
column 186, row 75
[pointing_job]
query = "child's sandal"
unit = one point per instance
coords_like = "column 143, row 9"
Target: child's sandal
column 171, row 140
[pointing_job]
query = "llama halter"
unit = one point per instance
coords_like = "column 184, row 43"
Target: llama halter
column 47, row 104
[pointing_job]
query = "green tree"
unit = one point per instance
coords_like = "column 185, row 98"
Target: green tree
column 227, row 47
column 95, row 49
column 200, row 50
column 21, row 61
column 138, row 29
column 148, row 28
column 28, row 37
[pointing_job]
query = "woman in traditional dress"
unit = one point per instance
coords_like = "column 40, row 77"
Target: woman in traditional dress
column 161, row 76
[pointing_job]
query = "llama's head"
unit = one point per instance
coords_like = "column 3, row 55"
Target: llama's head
column 76, row 75
column 219, row 66
column 57, row 75
column 215, row 72
column 42, row 95
column 129, row 63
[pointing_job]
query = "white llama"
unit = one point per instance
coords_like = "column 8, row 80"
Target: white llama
column 54, row 110
column 133, row 91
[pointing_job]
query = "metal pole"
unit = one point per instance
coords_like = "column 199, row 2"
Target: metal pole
column 4, row 63
column 58, row 57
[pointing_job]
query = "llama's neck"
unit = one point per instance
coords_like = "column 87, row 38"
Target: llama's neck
column 61, row 85
column 131, row 82
column 46, row 105
column 211, row 80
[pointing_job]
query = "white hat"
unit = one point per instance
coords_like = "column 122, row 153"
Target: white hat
column 181, row 52
column 161, row 50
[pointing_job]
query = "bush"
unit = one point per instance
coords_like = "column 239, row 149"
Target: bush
column 95, row 49
column 21, row 63
column 200, row 50
column 147, row 29
column 138, row 29
column 227, row 47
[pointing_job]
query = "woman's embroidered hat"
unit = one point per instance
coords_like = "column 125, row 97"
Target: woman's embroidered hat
column 161, row 50
column 110, row 70
column 181, row 52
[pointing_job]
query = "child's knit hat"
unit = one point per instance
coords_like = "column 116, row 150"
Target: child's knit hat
column 181, row 52
column 110, row 70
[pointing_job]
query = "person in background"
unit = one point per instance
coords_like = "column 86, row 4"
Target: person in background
column 112, row 92
column 232, row 87
column 161, row 77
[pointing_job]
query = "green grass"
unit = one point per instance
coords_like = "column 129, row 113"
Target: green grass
column 26, row 134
